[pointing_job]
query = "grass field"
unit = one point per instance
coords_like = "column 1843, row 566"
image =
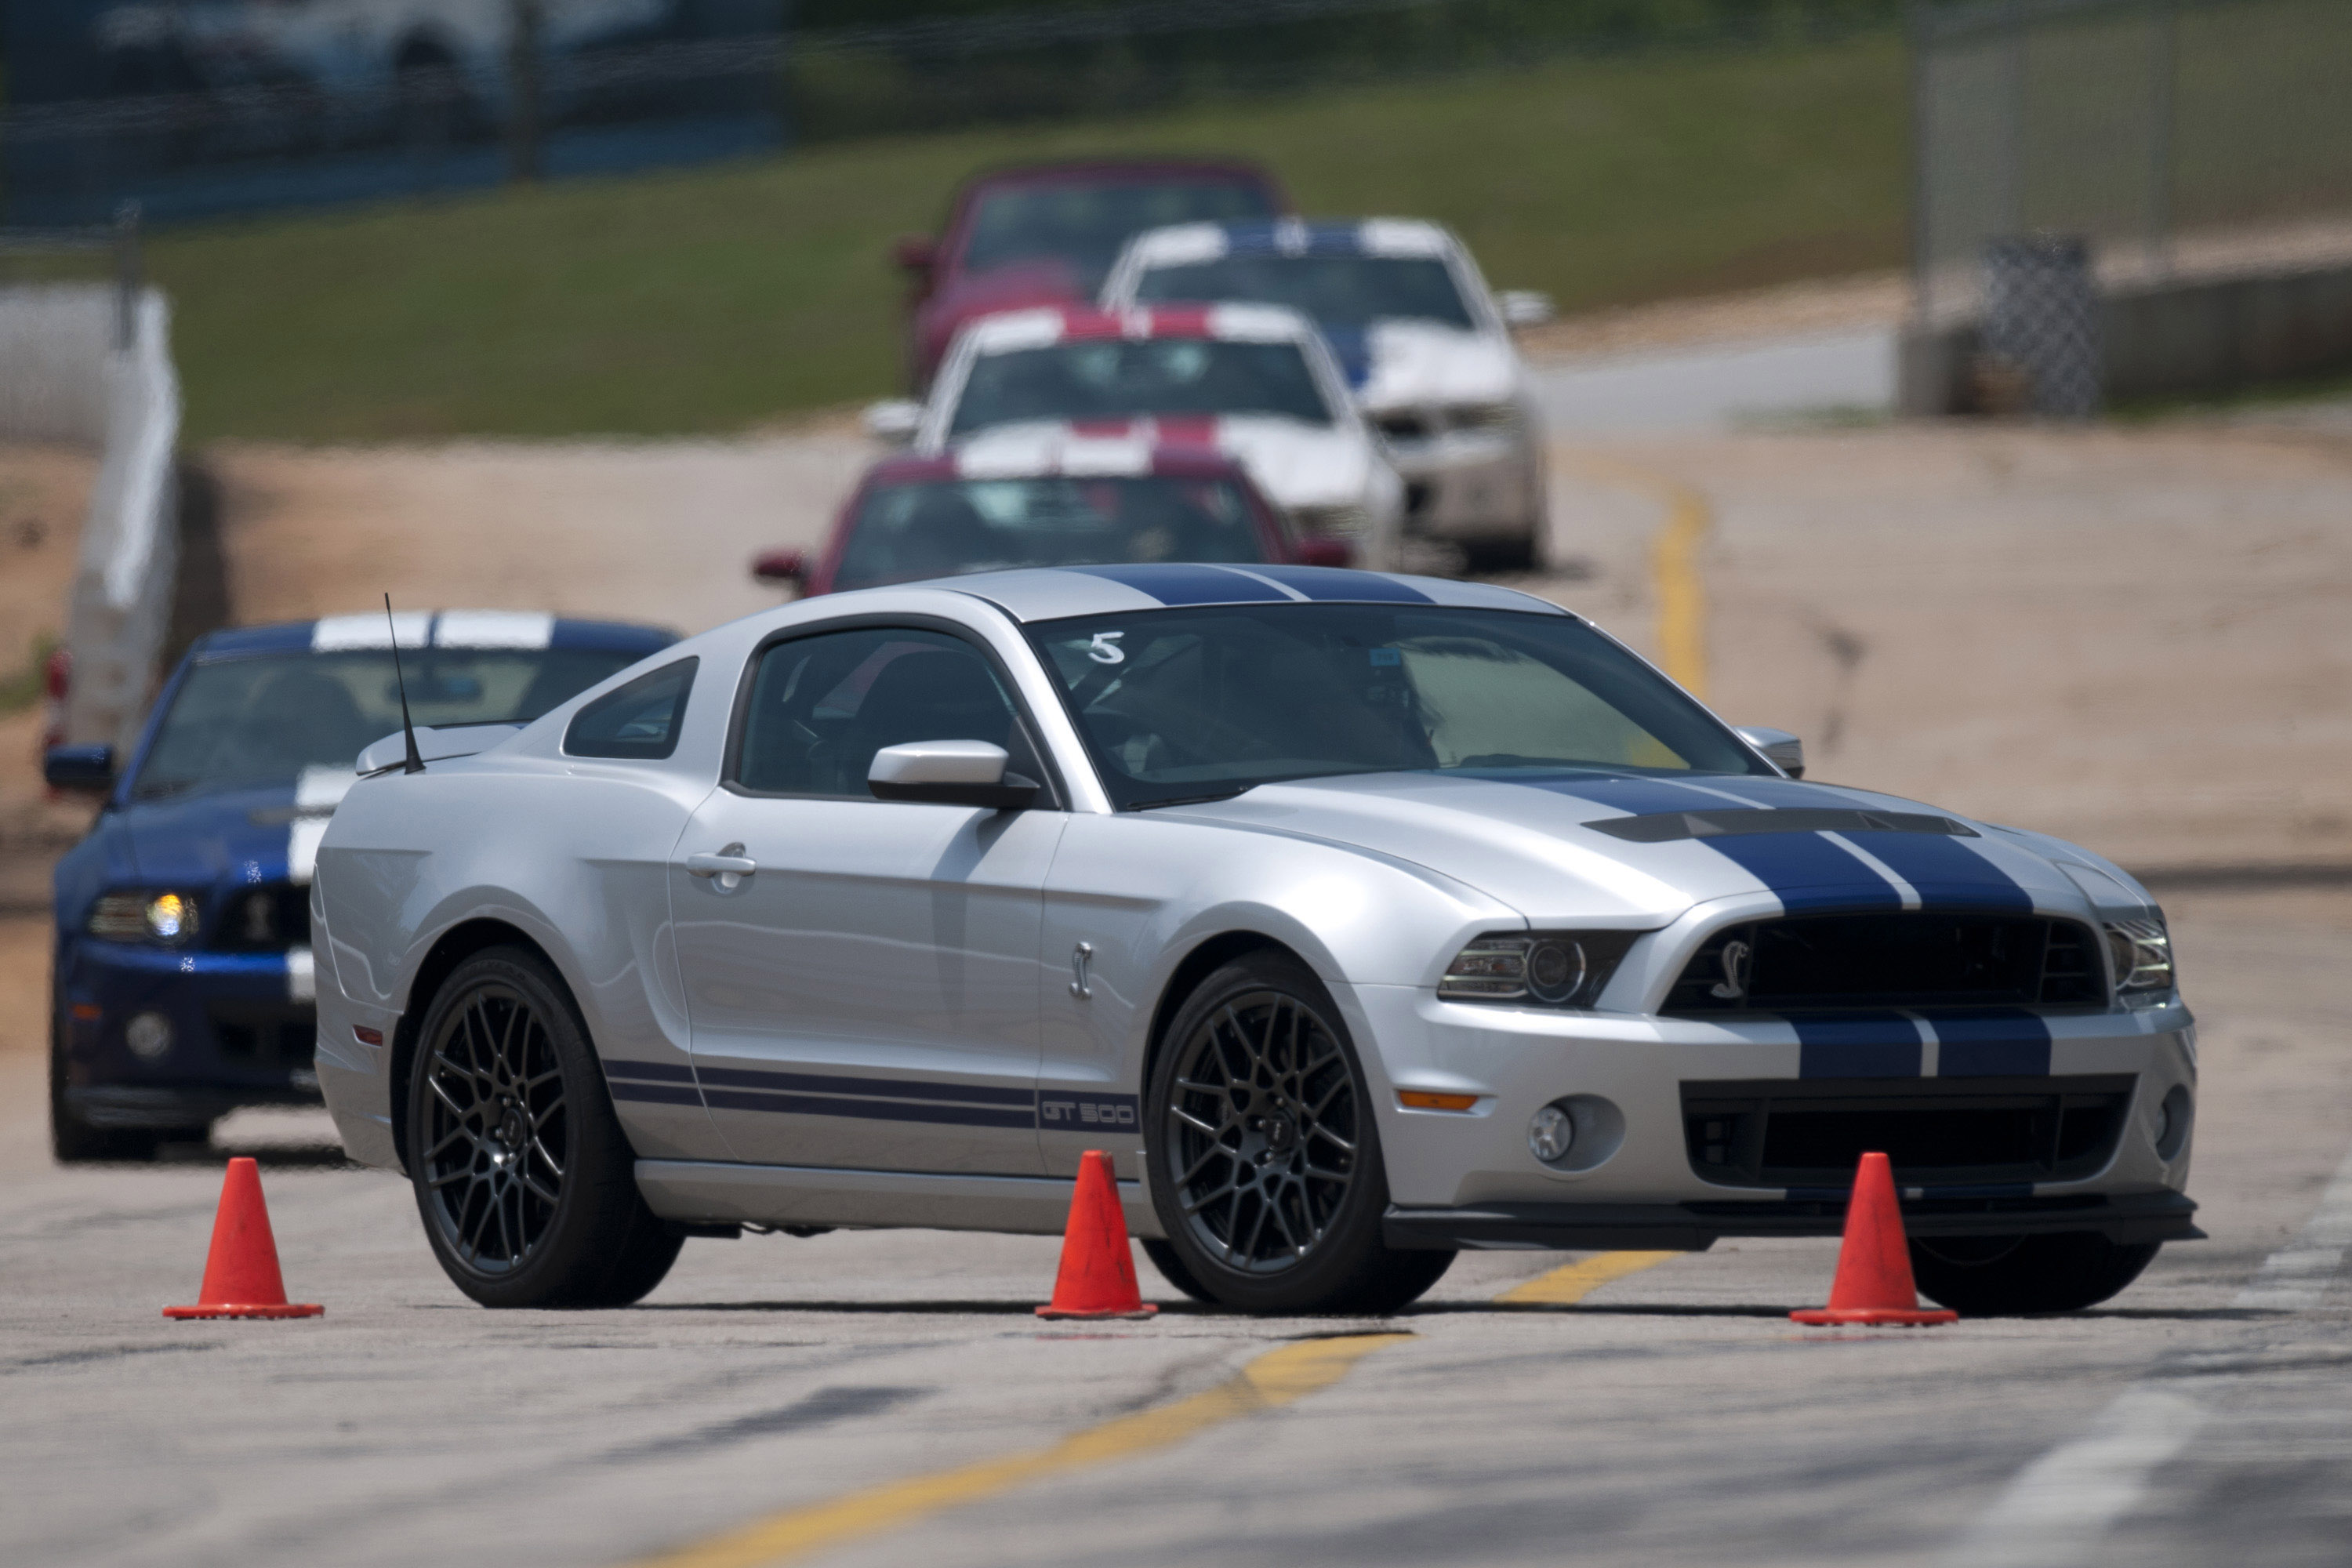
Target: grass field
column 717, row 299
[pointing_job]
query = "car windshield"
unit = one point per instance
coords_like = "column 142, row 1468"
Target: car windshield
column 1348, row 291
column 256, row 722
column 1200, row 703
column 1125, row 378
column 903, row 532
column 1083, row 223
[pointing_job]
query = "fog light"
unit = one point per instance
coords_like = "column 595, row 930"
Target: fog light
column 149, row 1036
column 1550, row 1135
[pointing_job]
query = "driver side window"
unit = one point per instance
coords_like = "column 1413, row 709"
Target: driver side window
column 822, row 705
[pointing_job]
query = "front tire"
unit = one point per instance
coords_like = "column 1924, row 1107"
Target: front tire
column 526, row 1183
column 1265, row 1159
column 1993, row 1277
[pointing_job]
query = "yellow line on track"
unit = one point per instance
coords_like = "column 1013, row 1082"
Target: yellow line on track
column 1673, row 564
column 1566, row 1286
column 1273, row 1380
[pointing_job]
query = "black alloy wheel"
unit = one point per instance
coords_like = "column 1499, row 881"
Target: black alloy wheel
column 1265, row 1160
column 523, row 1176
column 2006, row 1276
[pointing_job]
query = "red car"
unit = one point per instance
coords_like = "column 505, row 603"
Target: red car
column 1103, row 503
column 1045, row 233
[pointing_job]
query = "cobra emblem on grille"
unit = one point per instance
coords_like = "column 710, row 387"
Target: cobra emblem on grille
column 1738, row 959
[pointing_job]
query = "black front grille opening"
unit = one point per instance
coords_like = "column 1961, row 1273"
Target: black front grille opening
column 1910, row 959
column 268, row 918
column 1937, row 1132
column 259, row 1036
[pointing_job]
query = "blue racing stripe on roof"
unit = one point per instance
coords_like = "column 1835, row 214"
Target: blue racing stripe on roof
column 1991, row 1042
column 1338, row 584
column 1948, row 872
column 1856, row 1045
column 1174, row 584
column 1263, row 236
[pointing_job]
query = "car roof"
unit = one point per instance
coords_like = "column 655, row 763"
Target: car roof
column 435, row 629
column 1185, row 243
column 1013, row 329
column 1056, row 170
column 1054, row 592
column 1083, row 449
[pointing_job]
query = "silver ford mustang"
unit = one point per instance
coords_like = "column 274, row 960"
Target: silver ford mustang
column 1363, row 919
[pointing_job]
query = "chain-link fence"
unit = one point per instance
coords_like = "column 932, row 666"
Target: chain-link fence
column 237, row 104
column 2172, row 136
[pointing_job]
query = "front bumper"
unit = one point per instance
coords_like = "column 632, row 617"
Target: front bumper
column 1470, row 485
column 1696, row 1226
column 242, row 1030
column 1658, row 1162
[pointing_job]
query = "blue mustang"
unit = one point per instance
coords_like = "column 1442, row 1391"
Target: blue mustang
column 182, row 985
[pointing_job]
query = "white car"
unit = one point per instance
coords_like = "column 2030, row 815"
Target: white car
column 1426, row 348
column 1362, row 919
column 1254, row 381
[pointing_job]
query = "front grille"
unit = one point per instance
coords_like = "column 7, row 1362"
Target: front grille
column 270, row 917
column 265, row 1034
column 1937, row 1132
column 1914, row 958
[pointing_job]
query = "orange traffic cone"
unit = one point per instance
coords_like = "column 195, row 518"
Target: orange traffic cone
column 241, row 1278
column 1873, row 1281
column 1097, row 1274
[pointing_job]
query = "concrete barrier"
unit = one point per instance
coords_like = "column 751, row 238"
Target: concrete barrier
column 67, row 374
column 2164, row 340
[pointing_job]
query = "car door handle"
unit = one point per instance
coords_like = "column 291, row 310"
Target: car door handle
column 727, row 862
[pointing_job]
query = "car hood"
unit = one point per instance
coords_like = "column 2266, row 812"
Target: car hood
column 1296, row 465
column 253, row 835
column 1394, row 364
column 1536, row 841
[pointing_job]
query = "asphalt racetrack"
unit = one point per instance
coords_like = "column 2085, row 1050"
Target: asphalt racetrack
column 889, row 1398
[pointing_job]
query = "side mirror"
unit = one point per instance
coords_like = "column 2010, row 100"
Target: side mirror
column 894, row 420
column 917, row 253
column 1323, row 550
column 781, row 568
column 949, row 773
column 79, row 770
column 1782, row 749
column 1525, row 307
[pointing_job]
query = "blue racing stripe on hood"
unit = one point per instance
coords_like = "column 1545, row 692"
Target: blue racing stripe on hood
column 1352, row 347
column 1948, row 872
column 1991, row 1042
column 1807, row 871
column 1856, row 1045
column 1174, row 584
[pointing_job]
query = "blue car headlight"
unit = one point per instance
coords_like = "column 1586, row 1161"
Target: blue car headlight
column 164, row 917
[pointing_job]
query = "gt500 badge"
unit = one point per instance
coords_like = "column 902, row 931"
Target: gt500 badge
column 1116, row 1111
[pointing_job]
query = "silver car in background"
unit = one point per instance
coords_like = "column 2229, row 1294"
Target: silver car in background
column 1362, row 919
column 1425, row 347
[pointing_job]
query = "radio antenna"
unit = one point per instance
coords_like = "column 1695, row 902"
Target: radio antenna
column 415, row 764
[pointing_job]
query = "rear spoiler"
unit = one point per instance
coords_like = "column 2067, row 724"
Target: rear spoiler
column 433, row 745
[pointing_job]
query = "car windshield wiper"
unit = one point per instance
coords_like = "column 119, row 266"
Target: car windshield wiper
column 1193, row 799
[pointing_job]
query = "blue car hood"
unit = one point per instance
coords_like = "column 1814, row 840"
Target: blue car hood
column 239, row 836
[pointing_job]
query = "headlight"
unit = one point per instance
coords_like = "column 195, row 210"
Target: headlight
column 1554, row 969
column 2140, row 951
column 134, row 917
column 1484, row 416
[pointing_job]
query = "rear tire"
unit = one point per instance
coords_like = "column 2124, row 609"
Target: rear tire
column 526, row 1183
column 1994, row 1276
column 1265, row 1154
column 75, row 1142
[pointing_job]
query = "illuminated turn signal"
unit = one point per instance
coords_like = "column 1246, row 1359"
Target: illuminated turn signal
column 1430, row 1099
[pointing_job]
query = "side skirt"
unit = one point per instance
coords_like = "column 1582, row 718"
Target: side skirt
column 710, row 1192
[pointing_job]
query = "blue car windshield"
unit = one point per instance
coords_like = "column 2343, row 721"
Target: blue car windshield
column 1200, row 703
column 257, row 721
column 939, row 528
column 1348, row 291
column 1124, row 378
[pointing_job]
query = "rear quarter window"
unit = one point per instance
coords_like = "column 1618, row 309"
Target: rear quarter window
column 638, row 721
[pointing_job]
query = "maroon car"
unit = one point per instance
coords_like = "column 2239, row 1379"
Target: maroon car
column 1045, row 233
column 1103, row 503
